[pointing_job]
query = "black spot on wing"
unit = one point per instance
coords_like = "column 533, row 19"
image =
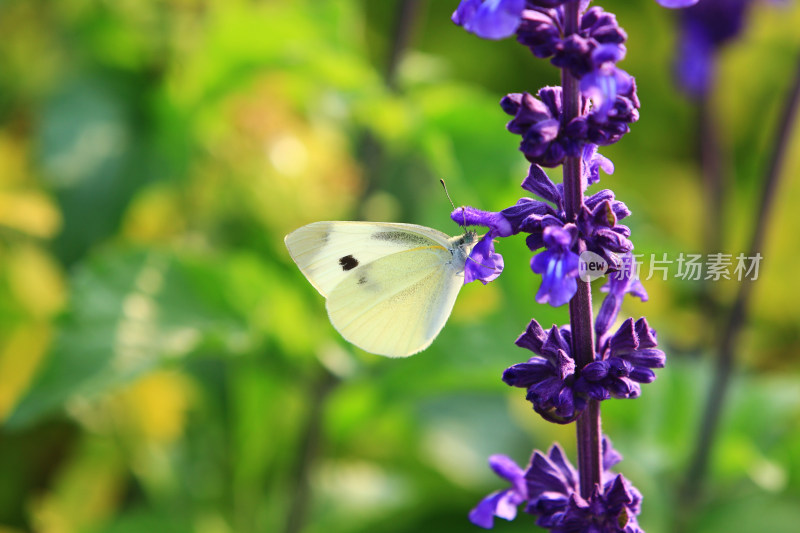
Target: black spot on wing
column 348, row 262
column 362, row 279
column 401, row 237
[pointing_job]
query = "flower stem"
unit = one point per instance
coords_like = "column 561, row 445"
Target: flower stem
column 580, row 307
column 738, row 315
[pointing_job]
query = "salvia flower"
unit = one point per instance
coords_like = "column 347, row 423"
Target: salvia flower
column 554, row 496
column 549, row 489
column 502, row 503
column 558, row 265
column 483, row 263
column 545, row 141
column 546, row 224
column 625, row 360
column 549, row 376
column 559, row 392
column 609, row 510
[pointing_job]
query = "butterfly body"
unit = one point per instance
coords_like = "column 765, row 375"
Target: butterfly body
column 389, row 287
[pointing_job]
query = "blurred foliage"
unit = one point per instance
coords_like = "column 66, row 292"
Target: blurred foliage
column 164, row 366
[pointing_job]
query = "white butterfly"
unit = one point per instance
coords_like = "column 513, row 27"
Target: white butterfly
column 389, row 287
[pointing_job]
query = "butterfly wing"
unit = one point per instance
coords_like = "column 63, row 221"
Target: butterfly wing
column 397, row 305
column 329, row 252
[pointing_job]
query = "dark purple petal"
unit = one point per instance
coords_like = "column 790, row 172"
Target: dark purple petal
column 649, row 358
column 646, row 334
column 541, row 185
column 595, row 371
column 532, row 338
column 607, row 314
column 618, row 367
column 544, row 475
column 642, row 375
column 526, row 213
column 526, row 374
column 559, row 459
column 624, row 340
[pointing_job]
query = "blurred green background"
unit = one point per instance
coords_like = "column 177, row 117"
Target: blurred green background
column 165, row 367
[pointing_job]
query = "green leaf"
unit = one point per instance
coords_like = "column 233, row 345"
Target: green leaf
column 131, row 312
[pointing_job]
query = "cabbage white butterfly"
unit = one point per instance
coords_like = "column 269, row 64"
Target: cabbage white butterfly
column 389, row 287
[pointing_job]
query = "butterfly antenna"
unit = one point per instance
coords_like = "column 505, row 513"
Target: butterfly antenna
column 463, row 210
column 447, row 193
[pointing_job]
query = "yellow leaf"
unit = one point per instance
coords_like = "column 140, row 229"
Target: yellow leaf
column 20, row 356
column 35, row 280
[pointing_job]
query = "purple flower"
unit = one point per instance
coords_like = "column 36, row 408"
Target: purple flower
column 559, row 392
column 622, row 282
column 598, row 225
column 545, row 223
column 558, row 265
column 498, row 225
column 549, row 487
column 545, row 141
column 483, row 263
column 548, row 377
column 611, row 509
column 552, row 481
column 489, row 19
column 593, row 161
column 599, row 39
column 602, row 85
column 555, row 498
column 624, row 361
column 501, row 503
column 705, row 28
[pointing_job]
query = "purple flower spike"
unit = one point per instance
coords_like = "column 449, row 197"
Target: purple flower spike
column 483, row 263
column 502, row 503
column 489, row 19
column 558, row 265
